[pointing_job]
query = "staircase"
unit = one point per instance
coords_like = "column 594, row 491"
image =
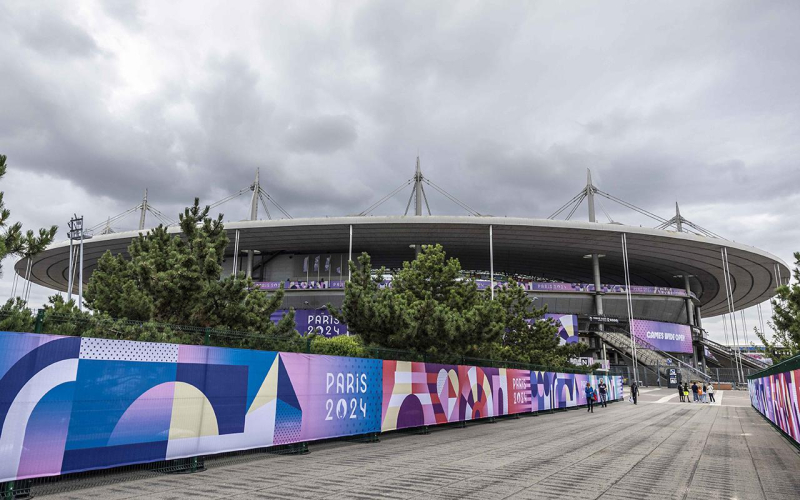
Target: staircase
column 648, row 355
column 727, row 352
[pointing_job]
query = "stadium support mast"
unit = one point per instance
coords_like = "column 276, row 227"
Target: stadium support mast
column 590, row 195
column 678, row 218
column 144, row 211
column 253, row 216
column 418, row 190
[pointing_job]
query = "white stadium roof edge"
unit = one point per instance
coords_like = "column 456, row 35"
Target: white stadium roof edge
column 552, row 249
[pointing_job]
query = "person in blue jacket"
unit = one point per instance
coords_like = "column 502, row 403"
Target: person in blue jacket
column 589, row 390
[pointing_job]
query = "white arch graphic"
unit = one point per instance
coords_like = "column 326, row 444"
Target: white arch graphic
column 13, row 432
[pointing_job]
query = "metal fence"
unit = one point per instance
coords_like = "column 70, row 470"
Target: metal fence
column 648, row 376
column 86, row 325
column 792, row 363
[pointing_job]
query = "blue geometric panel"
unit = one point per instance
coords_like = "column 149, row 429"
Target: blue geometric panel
column 112, row 456
column 30, row 364
column 286, row 391
column 225, row 387
column 104, row 390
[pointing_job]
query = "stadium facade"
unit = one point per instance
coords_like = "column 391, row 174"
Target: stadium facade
column 577, row 269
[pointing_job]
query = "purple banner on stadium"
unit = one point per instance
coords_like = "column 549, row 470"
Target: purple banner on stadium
column 484, row 284
column 589, row 288
column 321, row 322
column 318, row 321
column 567, row 327
column 670, row 337
column 300, row 285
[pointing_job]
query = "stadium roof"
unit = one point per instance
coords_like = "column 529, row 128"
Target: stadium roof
column 553, row 249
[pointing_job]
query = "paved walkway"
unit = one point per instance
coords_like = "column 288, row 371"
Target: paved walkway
column 658, row 449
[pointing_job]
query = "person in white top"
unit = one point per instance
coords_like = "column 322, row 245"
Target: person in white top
column 710, row 391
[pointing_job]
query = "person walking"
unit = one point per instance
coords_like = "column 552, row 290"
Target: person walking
column 700, row 394
column 705, row 393
column 694, row 392
column 634, row 392
column 686, row 392
column 711, row 392
column 589, row 390
column 602, row 389
column 680, row 392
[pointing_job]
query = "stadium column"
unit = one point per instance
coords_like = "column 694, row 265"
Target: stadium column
column 491, row 262
column 689, row 304
column 689, row 320
column 598, row 298
column 350, row 254
column 698, row 321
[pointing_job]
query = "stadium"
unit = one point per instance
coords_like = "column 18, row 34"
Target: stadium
column 599, row 281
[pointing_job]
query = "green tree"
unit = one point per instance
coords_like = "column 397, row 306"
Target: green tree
column 530, row 337
column 429, row 309
column 342, row 345
column 785, row 318
column 176, row 278
column 432, row 311
column 16, row 317
column 12, row 240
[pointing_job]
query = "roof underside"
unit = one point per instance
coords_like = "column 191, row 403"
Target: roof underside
column 545, row 248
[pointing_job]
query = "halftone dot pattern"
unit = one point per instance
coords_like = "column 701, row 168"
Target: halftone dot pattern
column 288, row 422
column 127, row 350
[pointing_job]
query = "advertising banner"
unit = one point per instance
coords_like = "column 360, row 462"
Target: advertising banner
column 70, row 404
column 299, row 285
column 567, row 327
column 669, row 337
column 318, row 321
column 484, row 284
column 777, row 397
column 552, row 390
column 417, row 394
column 321, row 322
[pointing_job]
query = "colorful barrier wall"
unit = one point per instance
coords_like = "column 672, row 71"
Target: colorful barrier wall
column 777, row 397
column 70, row 404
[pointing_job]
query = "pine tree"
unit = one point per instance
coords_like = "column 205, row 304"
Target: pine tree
column 529, row 336
column 176, row 278
column 431, row 310
column 785, row 318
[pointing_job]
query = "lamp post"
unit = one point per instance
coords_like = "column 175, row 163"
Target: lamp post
column 77, row 232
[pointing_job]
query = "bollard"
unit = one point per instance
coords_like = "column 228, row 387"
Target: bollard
column 181, row 466
column 370, row 437
column 39, row 321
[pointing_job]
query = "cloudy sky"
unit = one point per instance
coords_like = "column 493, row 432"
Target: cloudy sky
column 506, row 103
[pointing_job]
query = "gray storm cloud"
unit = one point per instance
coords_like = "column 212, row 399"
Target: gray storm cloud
column 507, row 106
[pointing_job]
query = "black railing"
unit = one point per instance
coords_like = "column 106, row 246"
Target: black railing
column 85, row 325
